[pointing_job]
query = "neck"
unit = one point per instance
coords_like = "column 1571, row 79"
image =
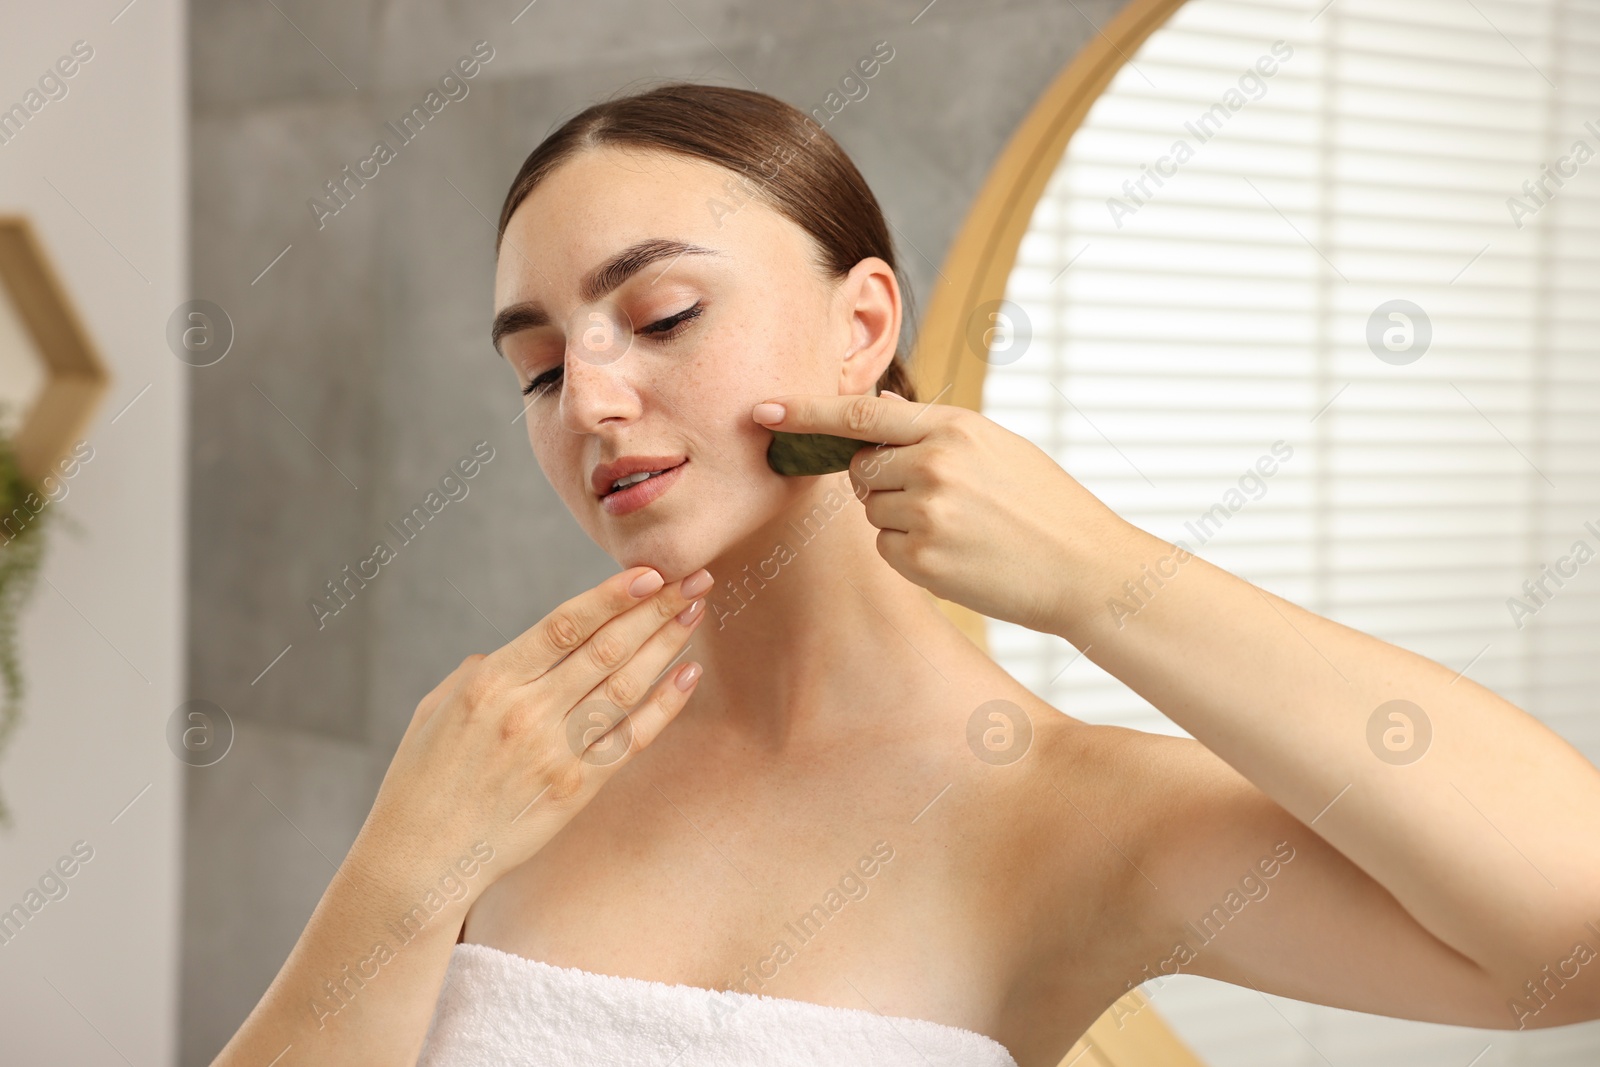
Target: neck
column 808, row 626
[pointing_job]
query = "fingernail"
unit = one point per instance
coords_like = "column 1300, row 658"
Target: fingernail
column 687, row 676
column 690, row 612
column 647, row 583
column 697, row 583
column 768, row 413
column 890, row 392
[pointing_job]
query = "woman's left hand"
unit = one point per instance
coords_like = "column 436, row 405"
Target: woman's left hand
column 964, row 507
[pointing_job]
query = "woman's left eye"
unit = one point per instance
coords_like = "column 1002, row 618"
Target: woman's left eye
column 662, row 330
column 668, row 327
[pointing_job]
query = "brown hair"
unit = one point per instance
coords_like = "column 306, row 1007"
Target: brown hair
column 781, row 155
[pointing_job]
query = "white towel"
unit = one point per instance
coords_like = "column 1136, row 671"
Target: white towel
column 499, row 1008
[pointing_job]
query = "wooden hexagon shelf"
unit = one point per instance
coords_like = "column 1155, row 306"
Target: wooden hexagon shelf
column 73, row 378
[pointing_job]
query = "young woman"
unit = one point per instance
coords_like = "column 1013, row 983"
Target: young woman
column 853, row 837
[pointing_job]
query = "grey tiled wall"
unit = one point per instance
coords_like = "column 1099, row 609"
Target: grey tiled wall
column 361, row 369
column 361, row 372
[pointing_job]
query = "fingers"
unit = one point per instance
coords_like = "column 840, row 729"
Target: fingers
column 607, row 661
column 644, row 724
column 607, row 702
column 896, row 510
column 880, row 468
column 532, row 653
column 865, row 418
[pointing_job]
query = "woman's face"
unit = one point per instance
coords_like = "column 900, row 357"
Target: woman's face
column 664, row 361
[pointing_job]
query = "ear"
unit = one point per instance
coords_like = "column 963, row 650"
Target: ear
column 869, row 297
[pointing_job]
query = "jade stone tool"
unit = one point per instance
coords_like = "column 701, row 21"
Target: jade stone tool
column 811, row 453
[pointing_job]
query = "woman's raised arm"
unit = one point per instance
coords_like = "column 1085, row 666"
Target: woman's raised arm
column 496, row 760
column 1482, row 823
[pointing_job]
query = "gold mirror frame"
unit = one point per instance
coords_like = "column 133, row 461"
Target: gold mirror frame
column 943, row 365
column 984, row 251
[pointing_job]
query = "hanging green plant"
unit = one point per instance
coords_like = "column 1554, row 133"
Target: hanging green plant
column 23, row 517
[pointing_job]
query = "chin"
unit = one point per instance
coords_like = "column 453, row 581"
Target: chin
column 678, row 535
column 677, row 547
column 672, row 561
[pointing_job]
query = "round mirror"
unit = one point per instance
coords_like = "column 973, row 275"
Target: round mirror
column 1309, row 287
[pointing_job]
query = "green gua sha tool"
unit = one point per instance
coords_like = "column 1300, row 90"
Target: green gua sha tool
column 811, row 453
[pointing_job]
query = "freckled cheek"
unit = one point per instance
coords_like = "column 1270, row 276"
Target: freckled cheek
column 563, row 467
column 717, row 381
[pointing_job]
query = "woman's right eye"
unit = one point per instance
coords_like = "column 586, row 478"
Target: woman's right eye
column 664, row 330
column 541, row 382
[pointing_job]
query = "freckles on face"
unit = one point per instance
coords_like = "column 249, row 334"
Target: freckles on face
column 687, row 344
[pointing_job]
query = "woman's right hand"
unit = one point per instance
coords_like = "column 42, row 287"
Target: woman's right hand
column 503, row 753
column 511, row 745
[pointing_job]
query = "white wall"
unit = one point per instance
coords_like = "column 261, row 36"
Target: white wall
column 92, row 978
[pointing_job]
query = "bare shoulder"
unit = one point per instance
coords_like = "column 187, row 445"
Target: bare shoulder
column 1112, row 837
column 1129, row 789
column 1149, row 806
column 1130, row 786
column 1194, row 869
column 1082, row 808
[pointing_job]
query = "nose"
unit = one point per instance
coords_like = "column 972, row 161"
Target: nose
column 596, row 375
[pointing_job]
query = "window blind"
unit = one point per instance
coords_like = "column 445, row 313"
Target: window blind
column 1214, row 269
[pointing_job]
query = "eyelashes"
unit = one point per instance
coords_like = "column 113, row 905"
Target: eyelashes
column 661, row 330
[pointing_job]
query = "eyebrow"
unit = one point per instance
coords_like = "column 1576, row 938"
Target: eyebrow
column 528, row 315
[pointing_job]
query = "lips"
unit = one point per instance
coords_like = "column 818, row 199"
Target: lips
column 631, row 498
column 602, row 477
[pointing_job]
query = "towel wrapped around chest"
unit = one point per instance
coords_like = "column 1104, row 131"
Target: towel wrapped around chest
column 503, row 1009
